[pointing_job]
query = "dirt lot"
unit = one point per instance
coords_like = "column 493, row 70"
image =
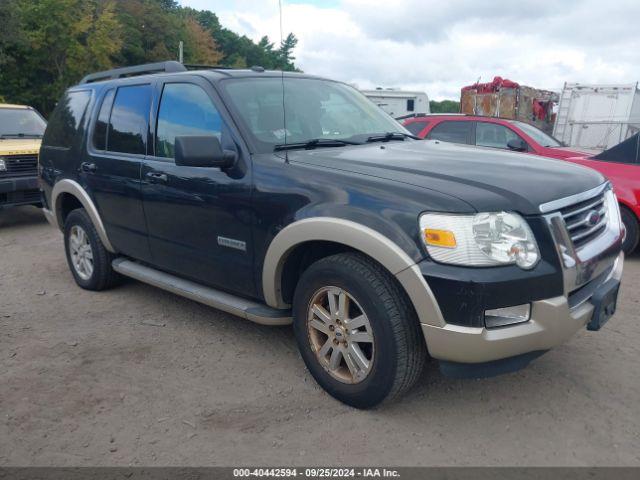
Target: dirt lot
column 96, row 379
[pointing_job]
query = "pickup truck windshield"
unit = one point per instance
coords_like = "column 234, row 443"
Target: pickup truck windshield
column 20, row 122
column 314, row 111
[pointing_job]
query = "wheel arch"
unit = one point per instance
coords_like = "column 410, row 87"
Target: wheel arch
column 68, row 190
column 349, row 235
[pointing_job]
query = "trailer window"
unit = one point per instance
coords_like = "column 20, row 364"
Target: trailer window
column 411, row 105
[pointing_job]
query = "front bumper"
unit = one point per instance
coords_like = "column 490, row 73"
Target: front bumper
column 19, row 191
column 552, row 323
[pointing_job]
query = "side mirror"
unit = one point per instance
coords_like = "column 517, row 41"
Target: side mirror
column 517, row 144
column 202, row 151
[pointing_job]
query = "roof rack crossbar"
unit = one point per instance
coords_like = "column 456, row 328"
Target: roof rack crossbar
column 146, row 69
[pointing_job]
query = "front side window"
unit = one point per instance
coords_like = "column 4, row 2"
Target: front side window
column 311, row 108
column 494, row 135
column 128, row 124
column 66, row 119
column 185, row 109
column 453, row 132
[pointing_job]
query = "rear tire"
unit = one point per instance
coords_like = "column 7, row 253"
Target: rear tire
column 633, row 231
column 378, row 351
column 88, row 259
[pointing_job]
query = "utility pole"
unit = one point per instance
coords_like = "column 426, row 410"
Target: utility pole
column 181, row 52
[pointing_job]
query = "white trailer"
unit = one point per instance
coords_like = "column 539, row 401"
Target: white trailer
column 597, row 116
column 398, row 103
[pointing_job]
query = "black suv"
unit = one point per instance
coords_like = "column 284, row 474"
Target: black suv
column 287, row 198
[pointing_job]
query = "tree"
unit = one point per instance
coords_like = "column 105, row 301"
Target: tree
column 445, row 106
column 285, row 53
column 9, row 32
column 199, row 46
column 48, row 45
column 61, row 41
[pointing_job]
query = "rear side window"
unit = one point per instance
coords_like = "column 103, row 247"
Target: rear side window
column 185, row 109
column 128, row 125
column 66, row 119
column 454, row 132
column 102, row 123
column 416, row 127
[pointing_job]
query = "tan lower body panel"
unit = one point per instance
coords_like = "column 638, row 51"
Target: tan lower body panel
column 552, row 323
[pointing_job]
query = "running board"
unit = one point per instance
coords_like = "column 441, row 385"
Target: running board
column 256, row 312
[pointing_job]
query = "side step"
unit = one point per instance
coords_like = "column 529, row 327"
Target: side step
column 256, row 312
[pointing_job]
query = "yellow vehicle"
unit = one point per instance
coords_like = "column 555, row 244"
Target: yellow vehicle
column 21, row 131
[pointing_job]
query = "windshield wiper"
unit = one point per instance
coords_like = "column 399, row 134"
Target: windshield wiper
column 20, row 135
column 315, row 143
column 386, row 137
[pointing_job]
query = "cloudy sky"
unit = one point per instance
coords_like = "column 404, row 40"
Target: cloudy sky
column 441, row 45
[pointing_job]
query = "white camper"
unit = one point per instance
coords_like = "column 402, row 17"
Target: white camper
column 597, row 116
column 399, row 103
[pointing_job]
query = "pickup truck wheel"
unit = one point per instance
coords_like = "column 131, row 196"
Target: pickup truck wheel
column 89, row 261
column 356, row 330
column 633, row 231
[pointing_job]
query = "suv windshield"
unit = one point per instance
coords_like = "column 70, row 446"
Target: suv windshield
column 538, row 135
column 20, row 122
column 315, row 110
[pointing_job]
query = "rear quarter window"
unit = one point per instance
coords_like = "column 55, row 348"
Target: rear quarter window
column 416, row 127
column 66, row 119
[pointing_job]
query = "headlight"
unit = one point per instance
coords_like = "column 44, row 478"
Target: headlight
column 3, row 165
column 481, row 240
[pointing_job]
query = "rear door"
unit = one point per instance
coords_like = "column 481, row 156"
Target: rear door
column 112, row 171
column 199, row 219
column 453, row 131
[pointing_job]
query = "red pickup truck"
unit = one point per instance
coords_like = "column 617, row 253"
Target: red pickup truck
column 619, row 164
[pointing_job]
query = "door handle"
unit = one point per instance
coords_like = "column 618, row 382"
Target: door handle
column 155, row 177
column 88, row 167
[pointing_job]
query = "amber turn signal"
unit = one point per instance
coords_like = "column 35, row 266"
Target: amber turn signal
column 439, row 238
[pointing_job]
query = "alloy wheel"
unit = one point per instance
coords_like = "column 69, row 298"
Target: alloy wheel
column 81, row 252
column 340, row 335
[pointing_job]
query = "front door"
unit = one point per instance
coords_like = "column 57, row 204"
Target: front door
column 199, row 219
column 112, row 170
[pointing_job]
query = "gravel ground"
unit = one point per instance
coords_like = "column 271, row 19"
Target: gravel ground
column 137, row 376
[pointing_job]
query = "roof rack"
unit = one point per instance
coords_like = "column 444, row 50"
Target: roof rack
column 412, row 115
column 420, row 115
column 197, row 66
column 201, row 66
column 146, row 69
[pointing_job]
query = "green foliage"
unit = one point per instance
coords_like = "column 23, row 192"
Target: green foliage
column 445, row 106
column 48, row 45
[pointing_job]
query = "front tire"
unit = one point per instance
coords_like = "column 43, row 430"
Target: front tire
column 357, row 331
column 633, row 231
column 88, row 259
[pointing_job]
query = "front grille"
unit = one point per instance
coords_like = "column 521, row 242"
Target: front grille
column 20, row 165
column 20, row 197
column 585, row 220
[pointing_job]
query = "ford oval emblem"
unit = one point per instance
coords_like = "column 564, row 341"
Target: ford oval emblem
column 593, row 218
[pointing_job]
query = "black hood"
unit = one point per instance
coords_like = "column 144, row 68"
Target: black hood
column 488, row 179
